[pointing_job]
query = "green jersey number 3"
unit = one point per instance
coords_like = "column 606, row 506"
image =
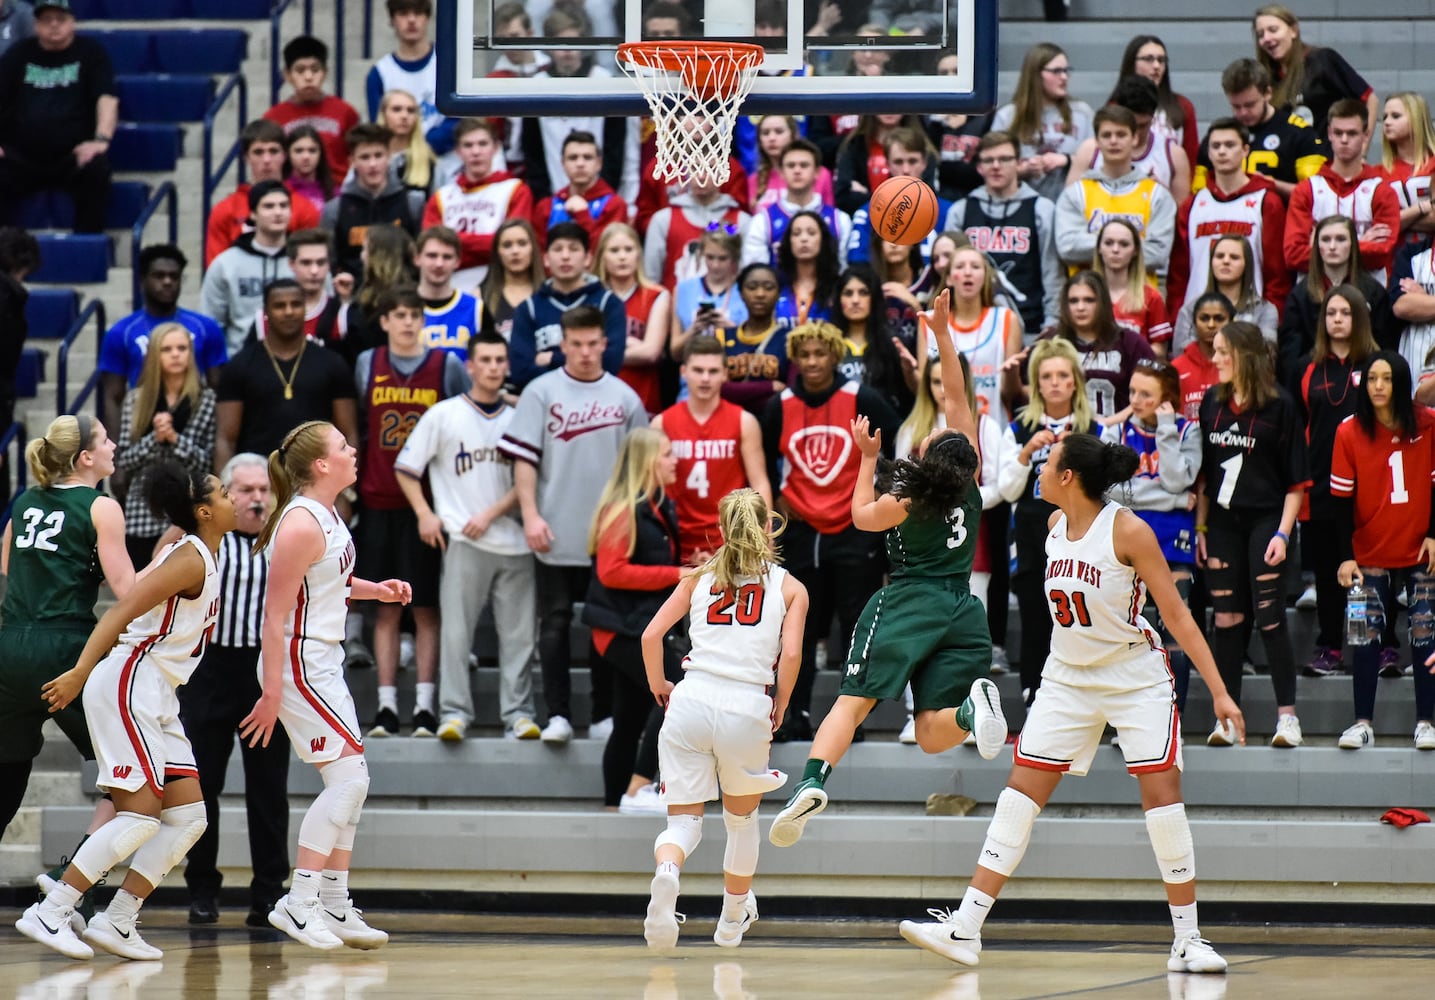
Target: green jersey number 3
column 957, row 518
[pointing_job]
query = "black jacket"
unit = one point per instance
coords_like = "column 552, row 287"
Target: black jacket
column 13, row 330
column 627, row 612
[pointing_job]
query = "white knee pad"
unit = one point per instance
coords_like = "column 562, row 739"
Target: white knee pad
column 179, row 828
column 740, row 857
column 348, row 779
column 112, row 843
column 1171, row 840
column 1009, row 832
column 684, row 832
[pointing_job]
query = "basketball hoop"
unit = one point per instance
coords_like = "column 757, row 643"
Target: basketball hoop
column 695, row 91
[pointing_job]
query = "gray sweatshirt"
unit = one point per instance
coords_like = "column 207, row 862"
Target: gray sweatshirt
column 233, row 288
column 1076, row 229
column 997, row 207
column 1178, row 462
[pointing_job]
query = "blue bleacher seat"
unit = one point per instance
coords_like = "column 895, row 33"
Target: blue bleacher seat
column 55, row 210
column 130, row 51
column 73, row 259
column 200, row 50
column 30, row 373
column 35, row 212
column 50, row 311
column 230, row 10
column 154, row 146
column 131, row 10
column 164, row 97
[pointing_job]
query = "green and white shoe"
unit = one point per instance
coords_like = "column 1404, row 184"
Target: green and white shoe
column 809, row 799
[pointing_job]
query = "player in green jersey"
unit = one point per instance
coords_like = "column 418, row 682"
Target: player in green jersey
column 64, row 538
column 924, row 627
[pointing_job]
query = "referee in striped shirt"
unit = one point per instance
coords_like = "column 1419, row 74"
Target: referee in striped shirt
column 221, row 692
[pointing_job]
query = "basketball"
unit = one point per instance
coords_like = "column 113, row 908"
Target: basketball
column 903, row 210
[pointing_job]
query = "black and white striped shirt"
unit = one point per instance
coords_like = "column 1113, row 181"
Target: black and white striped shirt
column 242, row 578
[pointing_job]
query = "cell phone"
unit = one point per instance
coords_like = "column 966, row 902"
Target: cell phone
column 707, row 305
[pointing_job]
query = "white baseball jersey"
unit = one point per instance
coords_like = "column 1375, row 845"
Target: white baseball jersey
column 1211, row 219
column 323, row 599
column 737, row 634
column 1095, row 601
column 1417, row 342
column 171, row 637
column 1358, row 206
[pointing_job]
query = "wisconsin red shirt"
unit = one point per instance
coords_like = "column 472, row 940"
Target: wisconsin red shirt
column 709, row 456
column 1390, row 480
column 820, row 459
column 395, row 404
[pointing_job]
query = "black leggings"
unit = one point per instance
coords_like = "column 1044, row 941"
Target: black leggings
column 1318, row 537
column 1241, row 583
column 997, row 525
column 14, row 779
column 1029, row 584
column 633, row 746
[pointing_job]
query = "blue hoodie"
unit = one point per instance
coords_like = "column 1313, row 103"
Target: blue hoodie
column 536, row 328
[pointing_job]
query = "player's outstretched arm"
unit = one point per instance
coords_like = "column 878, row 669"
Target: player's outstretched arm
column 1136, row 546
column 794, row 623
column 869, row 511
column 674, row 610
column 956, row 407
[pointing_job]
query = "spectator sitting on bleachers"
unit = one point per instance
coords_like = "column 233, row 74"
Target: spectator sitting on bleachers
column 326, row 320
column 234, row 284
column 451, row 317
column 371, row 197
column 306, row 68
column 167, row 417
column 475, row 203
column 126, row 344
column 537, row 329
column 17, row 22
column 673, row 241
column 799, row 164
column 587, row 198
column 19, row 255
column 413, row 68
column 261, row 143
column 1284, row 147
column 58, row 112
column 308, row 173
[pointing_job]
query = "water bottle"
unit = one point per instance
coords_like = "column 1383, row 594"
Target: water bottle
column 1357, row 627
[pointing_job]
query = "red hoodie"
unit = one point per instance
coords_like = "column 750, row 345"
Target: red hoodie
column 605, row 207
column 475, row 210
column 1198, row 374
column 1366, row 199
column 1255, row 212
column 229, row 219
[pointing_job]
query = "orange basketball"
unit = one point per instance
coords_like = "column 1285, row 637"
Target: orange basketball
column 903, row 210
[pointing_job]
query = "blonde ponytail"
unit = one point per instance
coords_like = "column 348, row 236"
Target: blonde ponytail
column 747, row 533
column 291, row 468
column 53, row 457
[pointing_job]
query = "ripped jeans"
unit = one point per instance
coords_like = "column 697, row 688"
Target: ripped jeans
column 1245, row 591
column 1419, row 589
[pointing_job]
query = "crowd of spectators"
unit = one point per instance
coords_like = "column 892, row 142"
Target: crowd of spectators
column 494, row 310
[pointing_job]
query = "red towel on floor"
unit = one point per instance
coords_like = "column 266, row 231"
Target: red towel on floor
column 1403, row 817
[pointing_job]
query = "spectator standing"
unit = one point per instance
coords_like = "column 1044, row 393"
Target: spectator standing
column 397, row 384
column 1109, row 353
column 807, row 435
column 1348, row 186
column 17, row 23
column 1412, row 293
column 906, row 284
column 473, row 521
column 306, row 68
column 808, row 262
column 307, row 172
column 1325, row 395
column 871, row 358
column 1012, row 224
column 234, row 284
column 372, row 197
column 413, row 68
column 862, row 159
column 275, row 384
column 647, row 306
column 167, row 418
column 536, row 341
column 1135, row 304
column 388, row 263
column 19, row 255
column 672, row 245
column 757, row 347
column 451, row 317
column 1233, row 202
column 1115, row 187
column 222, row 690
column 516, row 275
column 1160, row 157
column 765, row 185
column 326, row 316
column 126, row 344
column 1175, row 118
column 1310, row 78
column 708, row 302
column 587, row 198
column 1284, row 146
column 1255, row 474
column 1231, row 270
column 1195, row 365
column 412, row 160
column 1385, row 535
column 986, row 334
column 564, row 440
column 799, row 164
column 908, row 153
column 262, row 145
column 717, row 446
column 1045, row 119
column 1335, row 260
column 955, row 137
column 1407, row 158
column 475, row 203
column 58, row 113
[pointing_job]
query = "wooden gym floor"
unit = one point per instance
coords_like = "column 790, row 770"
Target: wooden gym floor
column 443, row 955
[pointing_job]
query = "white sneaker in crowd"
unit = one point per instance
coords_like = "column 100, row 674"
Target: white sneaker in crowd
column 1357, row 737
column 1222, row 736
column 1424, row 736
column 1000, row 663
column 524, row 728
column 646, row 801
column 908, row 735
column 601, row 729
column 452, row 731
column 1287, row 732
column 558, row 730
column 1306, row 601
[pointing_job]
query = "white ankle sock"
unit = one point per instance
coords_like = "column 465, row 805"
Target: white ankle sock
column 423, row 696
column 733, row 904
column 124, row 907
column 63, row 895
column 669, row 868
column 304, row 885
column 388, row 698
column 975, row 907
column 334, row 887
column 1183, row 919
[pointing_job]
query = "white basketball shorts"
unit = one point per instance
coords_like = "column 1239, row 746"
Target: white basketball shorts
column 133, row 716
column 715, row 738
column 316, row 707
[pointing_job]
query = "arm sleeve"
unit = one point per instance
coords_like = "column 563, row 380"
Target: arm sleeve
column 1343, row 507
column 1073, row 242
column 1158, row 322
column 1296, row 460
column 1298, row 228
column 523, row 440
column 655, row 244
column 195, row 447
column 859, row 249
column 419, row 446
column 771, row 422
column 112, row 352
column 455, row 377
column 373, row 92
column 1179, row 446
column 1375, row 255
column 132, row 452
column 617, row 571
column 1011, row 474
column 433, row 211
column 756, row 241
column 1051, row 270
column 214, row 352
column 1190, row 131
column 615, row 325
column 1342, row 493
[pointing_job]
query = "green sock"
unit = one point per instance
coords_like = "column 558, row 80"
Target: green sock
column 965, row 712
column 816, row 770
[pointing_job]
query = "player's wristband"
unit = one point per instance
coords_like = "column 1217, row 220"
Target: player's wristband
column 1283, row 537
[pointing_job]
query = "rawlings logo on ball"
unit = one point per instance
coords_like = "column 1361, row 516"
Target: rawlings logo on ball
column 895, row 219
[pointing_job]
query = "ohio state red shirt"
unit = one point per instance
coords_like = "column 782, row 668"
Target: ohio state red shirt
column 1390, row 479
column 709, row 456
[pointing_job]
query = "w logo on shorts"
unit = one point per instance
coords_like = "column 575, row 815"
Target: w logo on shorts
column 122, row 771
column 316, row 745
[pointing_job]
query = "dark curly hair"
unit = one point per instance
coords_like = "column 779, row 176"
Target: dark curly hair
column 937, row 481
column 175, row 491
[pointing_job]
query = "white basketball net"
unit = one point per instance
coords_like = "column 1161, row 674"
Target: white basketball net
column 695, row 91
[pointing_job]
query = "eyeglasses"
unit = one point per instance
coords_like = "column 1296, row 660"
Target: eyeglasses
column 1157, row 60
column 995, row 161
column 1057, row 70
column 723, row 227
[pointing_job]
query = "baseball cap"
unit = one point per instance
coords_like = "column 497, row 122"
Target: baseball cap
column 54, row 5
